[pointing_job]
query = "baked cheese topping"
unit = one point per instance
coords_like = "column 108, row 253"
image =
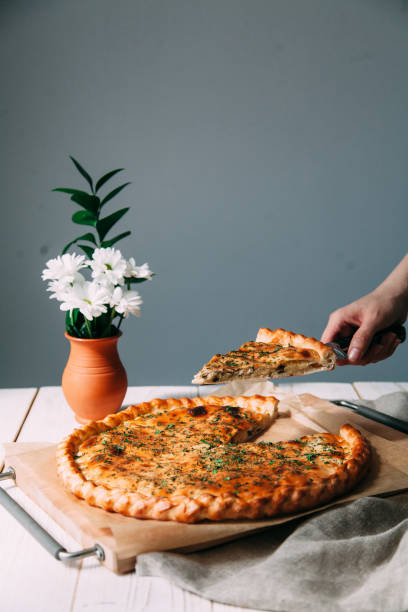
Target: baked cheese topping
column 275, row 354
column 255, row 359
column 204, row 450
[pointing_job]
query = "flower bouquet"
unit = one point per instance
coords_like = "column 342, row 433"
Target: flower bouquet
column 96, row 292
column 96, row 307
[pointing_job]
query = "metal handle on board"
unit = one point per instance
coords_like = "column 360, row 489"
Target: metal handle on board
column 39, row 533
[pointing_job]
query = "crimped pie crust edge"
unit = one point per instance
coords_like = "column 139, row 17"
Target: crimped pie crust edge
column 282, row 499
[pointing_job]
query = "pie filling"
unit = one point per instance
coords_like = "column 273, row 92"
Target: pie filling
column 199, row 450
column 258, row 359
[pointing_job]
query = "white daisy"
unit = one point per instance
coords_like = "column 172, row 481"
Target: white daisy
column 126, row 302
column 59, row 288
column 134, row 271
column 64, row 268
column 108, row 266
column 90, row 297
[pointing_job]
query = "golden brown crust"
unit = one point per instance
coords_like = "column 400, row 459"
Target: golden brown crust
column 275, row 354
column 282, row 336
column 214, row 480
column 180, row 507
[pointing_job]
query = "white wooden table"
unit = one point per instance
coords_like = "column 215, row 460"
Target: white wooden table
column 30, row 579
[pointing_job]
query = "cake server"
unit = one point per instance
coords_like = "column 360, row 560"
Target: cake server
column 342, row 344
column 374, row 415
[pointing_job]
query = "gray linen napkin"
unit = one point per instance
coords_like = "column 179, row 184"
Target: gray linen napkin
column 394, row 404
column 352, row 557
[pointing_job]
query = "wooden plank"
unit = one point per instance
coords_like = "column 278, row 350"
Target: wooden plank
column 372, row 390
column 51, row 419
column 31, row 578
column 324, row 390
column 99, row 589
column 23, row 561
column 14, row 405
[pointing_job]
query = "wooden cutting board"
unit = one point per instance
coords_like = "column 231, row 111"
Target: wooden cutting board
column 123, row 538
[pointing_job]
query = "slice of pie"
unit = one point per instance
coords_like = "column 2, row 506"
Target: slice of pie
column 275, row 354
column 190, row 460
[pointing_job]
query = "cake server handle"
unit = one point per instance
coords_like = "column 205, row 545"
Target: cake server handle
column 341, row 344
column 374, row 415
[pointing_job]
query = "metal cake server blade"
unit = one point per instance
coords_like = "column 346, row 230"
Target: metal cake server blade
column 336, row 348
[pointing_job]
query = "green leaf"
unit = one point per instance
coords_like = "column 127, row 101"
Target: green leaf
column 77, row 316
column 109, row 243
column 113, row 193
column 82, row 171
column 84, row 217
column 73, row 321
column 90, row 202
column 68, row 319
column 102, row 325
column 84, row 331
column 104, row 225
column 88, row 236
column 87, row 250
column 71, row 330
column 106, row 177
column 133, row 280
column 67, row 190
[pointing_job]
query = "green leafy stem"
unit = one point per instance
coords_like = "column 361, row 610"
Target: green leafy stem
column 92, row 204
column 79, row 326
column 90, row 215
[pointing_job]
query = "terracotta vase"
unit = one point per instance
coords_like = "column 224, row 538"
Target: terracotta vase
column 94, row 381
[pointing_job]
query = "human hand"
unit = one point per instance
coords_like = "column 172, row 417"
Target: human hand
column 364, row 318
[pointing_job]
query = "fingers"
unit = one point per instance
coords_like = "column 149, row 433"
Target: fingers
column 397, row 342
column 330, row 332
column 381, row 350
column 360, row 343
column 337, row 325
column 342, row 362
column 364, row 318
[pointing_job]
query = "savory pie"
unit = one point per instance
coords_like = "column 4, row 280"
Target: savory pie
column 192, row 459
column 275, row 354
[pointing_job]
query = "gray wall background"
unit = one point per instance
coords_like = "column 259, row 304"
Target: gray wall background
column 267, row 145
